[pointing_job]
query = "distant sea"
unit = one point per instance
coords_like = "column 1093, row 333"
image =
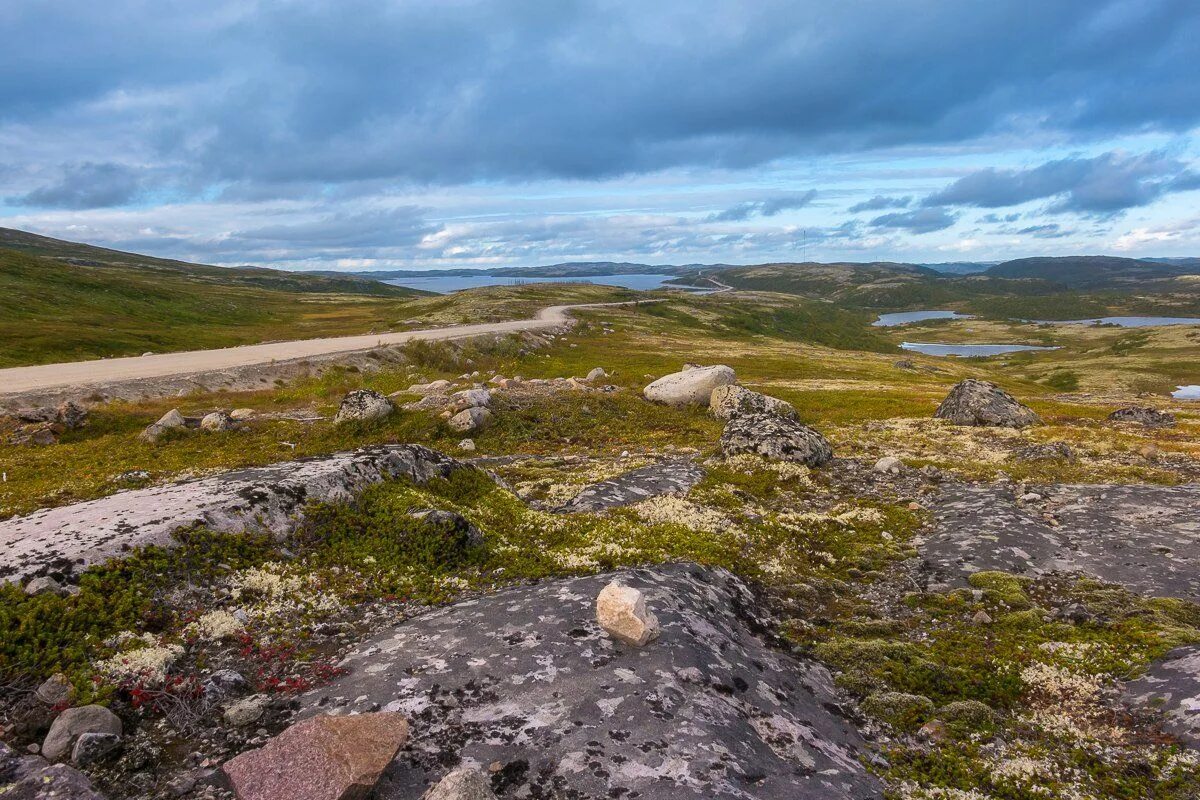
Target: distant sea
column 444, row 284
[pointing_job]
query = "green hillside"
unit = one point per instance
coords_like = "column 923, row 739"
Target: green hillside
column 61, row 301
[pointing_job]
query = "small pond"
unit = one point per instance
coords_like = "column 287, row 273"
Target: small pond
column 905, row 317
column 1125, row 322
column 969, row 350
column 1191, row 392
column 443, row 284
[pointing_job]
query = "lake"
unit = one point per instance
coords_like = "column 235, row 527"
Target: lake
column 1125, row 322
column 443, row 284
column 905, row 317
column 969, row 350
column 1191, row 392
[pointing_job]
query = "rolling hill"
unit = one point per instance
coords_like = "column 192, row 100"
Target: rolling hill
column 62, row 301
column 1090, row 272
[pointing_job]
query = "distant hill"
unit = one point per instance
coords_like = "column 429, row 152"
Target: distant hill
column 62, row 301
column 1089, row 272
column 961, row 267
column 565, row 270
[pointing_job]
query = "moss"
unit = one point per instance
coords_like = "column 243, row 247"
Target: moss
column 968, row 716
column 902, row 711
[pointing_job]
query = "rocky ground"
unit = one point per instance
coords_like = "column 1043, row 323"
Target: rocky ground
column 738, row 603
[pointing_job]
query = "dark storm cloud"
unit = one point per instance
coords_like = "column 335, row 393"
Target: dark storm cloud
column 83, row 186
column 1105, row 184
column 330, row 92
column 920, row 220
column 879, row 203
column 765, row 208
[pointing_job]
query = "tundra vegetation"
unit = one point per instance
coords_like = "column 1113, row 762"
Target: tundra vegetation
column 985, row 690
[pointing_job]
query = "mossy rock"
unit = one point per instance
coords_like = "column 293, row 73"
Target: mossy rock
column 968, row 715
column 997, row 581
column 901, row 710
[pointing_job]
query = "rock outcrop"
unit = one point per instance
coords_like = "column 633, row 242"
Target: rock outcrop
column 363, row 405
column 692, row 387
column 322, row 758
column 731, row 401
column 1140, row 415
column 1144, row 537
column 1172, row 686
column 676, row 476
column 775, row 437
column 526, row 680
column 75, row 722
column 269, row 498
column 24, row 777
column 982, row 403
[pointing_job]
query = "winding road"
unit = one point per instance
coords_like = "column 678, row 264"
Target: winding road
column 74, row 374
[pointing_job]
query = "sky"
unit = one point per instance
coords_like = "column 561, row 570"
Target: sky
column 403, row 134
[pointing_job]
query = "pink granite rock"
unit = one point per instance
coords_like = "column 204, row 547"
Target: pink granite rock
column 323, row 758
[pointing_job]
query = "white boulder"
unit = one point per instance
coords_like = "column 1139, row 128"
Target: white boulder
column 692, row 387
column 622, row 613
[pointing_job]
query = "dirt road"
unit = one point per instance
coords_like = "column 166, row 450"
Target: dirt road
column 18, row 380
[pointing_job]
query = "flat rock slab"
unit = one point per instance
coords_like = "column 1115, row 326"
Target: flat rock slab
column 1146, row 538
column 261, row 498
column 1172, row 685
column 665, row 477
column 528, row 679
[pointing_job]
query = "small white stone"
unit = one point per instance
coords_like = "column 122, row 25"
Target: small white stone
column 889, row 465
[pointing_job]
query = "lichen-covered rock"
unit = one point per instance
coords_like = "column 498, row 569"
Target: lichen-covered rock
column 323, row 758
column 73, row 723
column 889, row 465
column 464, row 783
column 245, row 711
column 471, row 398
column 242, row 414
column 622, row 613
column 732, row 400
column 1140, row 415
column 271, row 498
column 93, row 746
column 899, row 709
column 470, row 420
column 527, row 678
column 1048, row 451
column 692, row 387
column 217, row 421
column 56, row 691
column 172, row 420
column 43, row 585
column 982, row 403
column 69, row 415
column 1171, row 686
column 777, row 438
column 675, row 476
column 435, row 387
column 363, row 405
column 34, row 778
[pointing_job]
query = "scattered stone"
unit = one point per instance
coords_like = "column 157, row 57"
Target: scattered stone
column 73, row 723
column 1141, row 415
column 981, row 617
column 41, row 435
column 527, row 679
column 68, row 415
column 56, row 691
column 889, row 465
column 464, row 783
column 777, row 438
column 34, row 778
column 242, row 414
column 91, row 747
column 470, row 420
column 693, row 386
column 471, row 398
column 436, row 387
column 597, row 374
column 467, row 444
column 172, row 420
column 676, row 476
column 621, row 612
column 322, row 758
column 731, row 400
column 1049, row 451
column 363, row 405
column 224, row 683
column 976, row 402
column 43, row 585
column 245, row 711
column 217, row 421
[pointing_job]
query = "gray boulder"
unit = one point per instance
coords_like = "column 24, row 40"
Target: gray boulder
column 172, row 420
column 217, row 421
column 43, row 585
column 692, row 387
column 675, row 476
column 596, row 374
column 471, row 398
column 527, row 677
column 363, row 405
column 33, row 778
column 470, row 420
column 1048, row 451
column 91, row 747
column 982, row 403
column 732, row 400
column 776, row 438
column 73, row 723
column 1141, row 415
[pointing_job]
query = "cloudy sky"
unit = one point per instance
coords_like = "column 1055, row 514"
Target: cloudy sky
column 372, row 134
